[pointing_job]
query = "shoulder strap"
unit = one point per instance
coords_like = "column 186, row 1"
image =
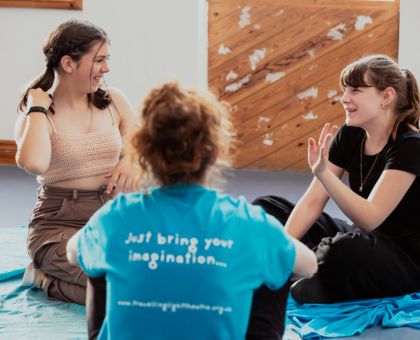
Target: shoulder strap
column 52, row 124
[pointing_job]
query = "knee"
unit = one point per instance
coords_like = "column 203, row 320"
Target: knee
column 276, row 206
column 311, row 291
column 263, row 200
column 343, row 247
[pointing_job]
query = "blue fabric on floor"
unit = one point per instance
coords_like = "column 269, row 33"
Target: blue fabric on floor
column 26, row 313
column 316, row 321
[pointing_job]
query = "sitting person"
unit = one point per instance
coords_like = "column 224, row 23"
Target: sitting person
column 69, row 134
column 182, row 260
column 379, row 146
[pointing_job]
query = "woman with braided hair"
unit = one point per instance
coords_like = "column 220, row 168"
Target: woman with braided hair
column 70, row 136
column 181, row 259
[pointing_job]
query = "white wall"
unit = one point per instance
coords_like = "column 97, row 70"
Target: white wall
column 151, row 41
column 409, row 44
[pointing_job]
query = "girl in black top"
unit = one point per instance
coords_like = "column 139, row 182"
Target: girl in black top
column 379, row 146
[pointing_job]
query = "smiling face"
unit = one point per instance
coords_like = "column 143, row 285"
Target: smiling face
column 363, row 105
column 91, row 67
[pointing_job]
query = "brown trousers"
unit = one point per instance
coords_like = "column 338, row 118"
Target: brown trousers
column 57, row 216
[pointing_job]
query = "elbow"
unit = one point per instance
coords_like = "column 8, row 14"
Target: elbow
column 306, row 263
column 311, row 267
column 370, row 221
column 72, row 250
column 368, row 227
column 71, row 253
column 31, row 165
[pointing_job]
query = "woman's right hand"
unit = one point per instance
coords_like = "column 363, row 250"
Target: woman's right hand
column 38, row 97
column 318, row 152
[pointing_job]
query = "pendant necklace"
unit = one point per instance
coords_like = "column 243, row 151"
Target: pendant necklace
column 363, row 181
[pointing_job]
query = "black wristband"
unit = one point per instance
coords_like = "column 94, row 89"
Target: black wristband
column 37, row 109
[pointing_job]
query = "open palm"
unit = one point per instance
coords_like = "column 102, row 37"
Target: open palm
column 318, row 152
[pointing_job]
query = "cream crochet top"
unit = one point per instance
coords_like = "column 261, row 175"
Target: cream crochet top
column 75, row 156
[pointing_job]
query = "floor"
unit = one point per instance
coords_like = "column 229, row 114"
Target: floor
column 18, row 194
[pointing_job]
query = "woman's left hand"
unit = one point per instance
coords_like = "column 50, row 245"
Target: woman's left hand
column 318, row 152
column 124, row 177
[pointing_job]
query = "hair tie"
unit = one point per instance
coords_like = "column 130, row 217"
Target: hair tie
column 49, row 65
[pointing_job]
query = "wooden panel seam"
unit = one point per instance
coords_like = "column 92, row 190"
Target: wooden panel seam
column 59, row 4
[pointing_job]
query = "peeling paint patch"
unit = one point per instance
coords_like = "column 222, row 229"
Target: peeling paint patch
column 337, row 32
column 236, row 86
column 268, row 139
column 224, row 50
column 309, row 93
column 285, row 126
column 310, row 116
column 272, row 77
column 370, row 35
column 231, row 75
column 256, row 57
column 362, row 21
column 262, row 119
column 313, row 67
column 245, row 18
column 278, row 13
column 312, row 52
column 333, row 95
column 257, row 27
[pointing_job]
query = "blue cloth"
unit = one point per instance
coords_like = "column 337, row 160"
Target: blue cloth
column 316, row 321
column 183, row 262
column 26, row 313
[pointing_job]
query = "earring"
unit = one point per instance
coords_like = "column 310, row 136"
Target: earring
column 383, row 107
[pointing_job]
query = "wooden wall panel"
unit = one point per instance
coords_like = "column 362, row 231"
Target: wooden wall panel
column 60, row 4
column 278, row 63
column 7, row 152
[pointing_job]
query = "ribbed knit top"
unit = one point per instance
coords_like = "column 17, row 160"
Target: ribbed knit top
column 75, row 156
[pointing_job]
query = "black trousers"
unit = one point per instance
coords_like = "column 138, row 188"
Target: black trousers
column 352, row 264
column 95, row 305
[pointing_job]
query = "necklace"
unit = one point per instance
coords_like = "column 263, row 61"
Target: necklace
column 363, row 181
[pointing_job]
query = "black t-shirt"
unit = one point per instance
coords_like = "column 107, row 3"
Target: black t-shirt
column 403, row 224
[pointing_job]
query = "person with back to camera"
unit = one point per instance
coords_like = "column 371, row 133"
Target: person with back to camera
column 71, row 140
column 379, row 146
column 182, row 260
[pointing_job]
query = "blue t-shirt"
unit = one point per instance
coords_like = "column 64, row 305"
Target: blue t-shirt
column 182, row 262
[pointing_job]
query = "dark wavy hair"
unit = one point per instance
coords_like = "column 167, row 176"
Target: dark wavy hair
column 182, row 133
column 381, row 71
column 74, row 38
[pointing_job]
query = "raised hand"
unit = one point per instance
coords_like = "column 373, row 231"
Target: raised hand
column 38, row 97
column 318, row 152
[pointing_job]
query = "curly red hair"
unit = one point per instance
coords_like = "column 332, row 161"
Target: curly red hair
column 182, row 133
